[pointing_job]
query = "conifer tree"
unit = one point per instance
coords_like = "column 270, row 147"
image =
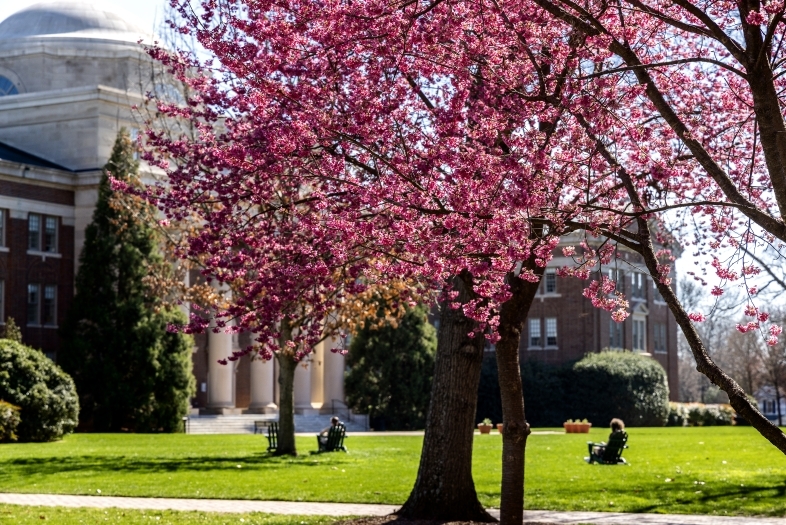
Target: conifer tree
column 130, row 372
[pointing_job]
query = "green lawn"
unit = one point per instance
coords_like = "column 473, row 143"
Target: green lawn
column 19, row 515
column 720, row 470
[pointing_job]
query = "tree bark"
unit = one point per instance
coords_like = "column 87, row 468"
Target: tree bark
column 513, row 315
column 286, row 406
column 444, row 488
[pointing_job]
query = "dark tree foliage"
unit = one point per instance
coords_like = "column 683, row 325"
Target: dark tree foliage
column 391, row 369
column 131, row 373
column 45, row 395
column 599, row 387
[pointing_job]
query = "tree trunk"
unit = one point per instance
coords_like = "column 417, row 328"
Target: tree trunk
column 444, row 488
column 286, row 404
column 513, row 315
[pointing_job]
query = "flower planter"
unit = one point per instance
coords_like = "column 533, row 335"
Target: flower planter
column 577, row 428
column 484, row 429
column 499, row 427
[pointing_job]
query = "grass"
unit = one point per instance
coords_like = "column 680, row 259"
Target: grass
column 20, row 515
column 720, row 470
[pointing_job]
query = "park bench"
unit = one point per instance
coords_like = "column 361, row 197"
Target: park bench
column 612, row 453
column 334, row 441
column 272, row 433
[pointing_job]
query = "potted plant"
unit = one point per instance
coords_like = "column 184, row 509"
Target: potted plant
column 485, row 426
column 569, row 426
column 584, row 426
column 500, row 426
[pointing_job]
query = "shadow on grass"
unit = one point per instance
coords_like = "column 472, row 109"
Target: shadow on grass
column 56, row 465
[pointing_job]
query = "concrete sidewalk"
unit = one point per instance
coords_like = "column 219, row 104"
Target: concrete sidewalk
column 540, row 517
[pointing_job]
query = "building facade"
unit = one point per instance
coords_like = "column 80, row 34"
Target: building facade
column 70, row 73
column 563, row 325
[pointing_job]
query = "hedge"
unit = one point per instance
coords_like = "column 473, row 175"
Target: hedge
column 9, row 421
column 44, row 393
column 599, row 387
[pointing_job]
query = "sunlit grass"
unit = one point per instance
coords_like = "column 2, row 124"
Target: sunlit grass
column 20, row 515
column 716, row 470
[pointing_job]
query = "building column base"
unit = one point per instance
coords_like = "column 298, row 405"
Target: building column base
column 220, row 411
column 270, row 408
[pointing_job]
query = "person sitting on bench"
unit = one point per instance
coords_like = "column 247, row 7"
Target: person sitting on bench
column 617, row 432
column 323, row 434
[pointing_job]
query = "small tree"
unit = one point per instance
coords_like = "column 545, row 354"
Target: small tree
column 131, row 372
column 391, row 368
column 12, row 331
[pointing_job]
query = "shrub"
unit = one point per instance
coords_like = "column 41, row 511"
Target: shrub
column 9, row 420
column 611, row 384
column 701, row 415
column 45, row 394
column 391, row 371
column 678, row 415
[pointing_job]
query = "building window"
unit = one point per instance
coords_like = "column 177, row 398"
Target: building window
column 33, row 304
column 2, row 227
column 534, row 333
column 616, row 331
column 50, row 234
column 34, row 232
column 551, row 331
column 638, row 280
column 659, row 336
column 550, row 281
column 639, row 327
column 2, row 302
column 50, row 305
column 7, row 87
column 618, row 277
column 41, row 233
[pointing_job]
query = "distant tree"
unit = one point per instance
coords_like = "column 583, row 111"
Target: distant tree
column 391, row 368
column 773, row 359
column 12, row 331
column 131, row 372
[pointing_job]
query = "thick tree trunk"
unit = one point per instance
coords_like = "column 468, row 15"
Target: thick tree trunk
column 286, row 405
column 444, row 488
column 513, row 315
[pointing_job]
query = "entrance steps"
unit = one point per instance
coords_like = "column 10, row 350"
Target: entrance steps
column 244, row 423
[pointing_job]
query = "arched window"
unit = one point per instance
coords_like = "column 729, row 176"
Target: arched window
column 7, row 87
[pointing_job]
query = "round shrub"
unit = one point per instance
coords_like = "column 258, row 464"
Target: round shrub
column 45, row 394
column 620, row 384
column 9, row 420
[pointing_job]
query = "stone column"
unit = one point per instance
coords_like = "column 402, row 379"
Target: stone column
column 220, row 378
column 303, row 390
column 333, row 377
column 317, row 368
column 262, row 387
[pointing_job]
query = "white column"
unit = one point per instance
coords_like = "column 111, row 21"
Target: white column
column 333, row 376
column 303, row 390
column 220, row 378
column 262, row 387
column 317, row 371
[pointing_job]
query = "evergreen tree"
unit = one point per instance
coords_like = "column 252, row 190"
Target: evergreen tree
column 391, row 368
column 12, row 331
column 130, row 372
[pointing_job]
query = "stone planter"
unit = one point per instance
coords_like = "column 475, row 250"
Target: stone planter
column 577, row 428
column 500, row 426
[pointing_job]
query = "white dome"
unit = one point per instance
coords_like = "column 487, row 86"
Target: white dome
column 72, row 19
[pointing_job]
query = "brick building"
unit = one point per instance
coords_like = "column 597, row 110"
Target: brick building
column 563, row 325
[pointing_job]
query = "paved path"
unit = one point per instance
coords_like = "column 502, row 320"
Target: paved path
column 539, row 517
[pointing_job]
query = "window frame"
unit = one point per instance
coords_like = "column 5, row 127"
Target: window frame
column 42, row 234
column 550, row 278
column 551, row 322
column 534, row 327
column 34, row 287
column 53, row 306
column 34, row 235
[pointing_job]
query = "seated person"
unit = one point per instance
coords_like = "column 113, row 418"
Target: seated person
column 617, row 433
column 322, row 437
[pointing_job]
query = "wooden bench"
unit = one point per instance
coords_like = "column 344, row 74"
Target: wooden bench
column 272, row 433
column 612, row 452
column 334, row 441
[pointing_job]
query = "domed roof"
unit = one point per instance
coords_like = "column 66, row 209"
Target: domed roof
column 72, row 19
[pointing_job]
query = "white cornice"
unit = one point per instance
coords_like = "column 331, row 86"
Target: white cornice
column 70, row 96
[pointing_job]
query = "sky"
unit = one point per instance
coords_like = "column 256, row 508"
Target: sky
column 147, row 12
